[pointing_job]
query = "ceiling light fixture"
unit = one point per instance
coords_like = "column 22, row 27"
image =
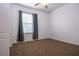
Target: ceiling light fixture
column 43, row 4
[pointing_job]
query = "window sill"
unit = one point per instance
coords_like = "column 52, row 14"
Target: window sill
column 28, row 33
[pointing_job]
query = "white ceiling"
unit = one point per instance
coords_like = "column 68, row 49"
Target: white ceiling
column 51, row 6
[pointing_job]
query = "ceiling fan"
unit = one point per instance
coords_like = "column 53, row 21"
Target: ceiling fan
column 43, row 4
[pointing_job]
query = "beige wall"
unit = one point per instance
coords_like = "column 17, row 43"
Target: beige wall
column 64, row 23
column 42, row 22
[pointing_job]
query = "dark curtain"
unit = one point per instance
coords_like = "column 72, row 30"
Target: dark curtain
column 20, row 36
column 35, row 27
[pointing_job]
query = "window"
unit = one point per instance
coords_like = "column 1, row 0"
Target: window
column 27, row 22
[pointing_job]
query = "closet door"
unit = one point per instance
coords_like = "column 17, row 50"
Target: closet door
column 4, row 46
column 4, row 29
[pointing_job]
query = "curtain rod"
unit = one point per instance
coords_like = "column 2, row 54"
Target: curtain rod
column 27, row 12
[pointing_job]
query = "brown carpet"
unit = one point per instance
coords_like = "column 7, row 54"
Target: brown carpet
column 44, row 47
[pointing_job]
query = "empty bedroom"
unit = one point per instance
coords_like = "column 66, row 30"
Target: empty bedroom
column 39, row 29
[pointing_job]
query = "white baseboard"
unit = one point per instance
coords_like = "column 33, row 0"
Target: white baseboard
column 71, row 42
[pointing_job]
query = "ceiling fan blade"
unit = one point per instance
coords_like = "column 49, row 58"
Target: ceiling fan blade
column 36, row 4
column 46, row 6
